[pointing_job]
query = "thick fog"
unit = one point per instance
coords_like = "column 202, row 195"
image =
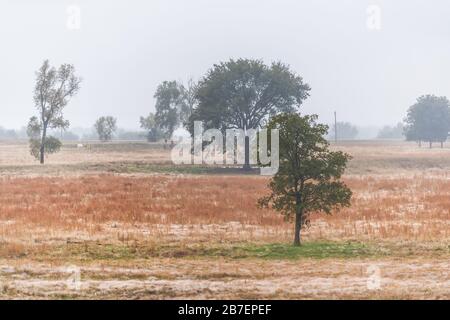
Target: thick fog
column 368, row 60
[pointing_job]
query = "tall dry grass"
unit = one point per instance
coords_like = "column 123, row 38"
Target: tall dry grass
column 212, row 208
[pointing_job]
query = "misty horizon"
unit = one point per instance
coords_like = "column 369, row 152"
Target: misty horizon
column 123, row 51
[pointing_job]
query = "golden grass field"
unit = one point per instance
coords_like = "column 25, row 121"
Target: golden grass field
column 118, row 220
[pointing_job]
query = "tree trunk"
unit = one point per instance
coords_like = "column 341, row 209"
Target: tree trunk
column 247, row 154
column 298, row 228
column 298, row 221
column 42, row 157
column 42, row 150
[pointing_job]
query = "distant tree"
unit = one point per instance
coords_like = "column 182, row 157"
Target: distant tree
column 171, row 106
column 308, row 180
column 105, row 127
column 174, row 106
column 8, row 134
column 243, row 94
column 388, row 132
column 154, row 133
column 428, row 120
column 345, row 131
column 52, row 93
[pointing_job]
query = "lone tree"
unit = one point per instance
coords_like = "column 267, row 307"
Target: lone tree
column 243, row 94
column 53, row 90
column 308, row 179
column 148, row 123
column 105, row 127
column 428, row 120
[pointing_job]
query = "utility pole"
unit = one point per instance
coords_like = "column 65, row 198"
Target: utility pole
column 335, row 128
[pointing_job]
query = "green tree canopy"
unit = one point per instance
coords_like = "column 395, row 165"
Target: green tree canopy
column 173, row 106
column 243, row 93
column 428, row 120
column 308, row 179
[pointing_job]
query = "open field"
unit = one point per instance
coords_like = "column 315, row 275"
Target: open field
column 119, row 221
column 370, row 157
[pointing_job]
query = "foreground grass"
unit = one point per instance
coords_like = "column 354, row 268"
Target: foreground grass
column 91, row 252
column 244, row 270
column 317, row 250
column 95, row 252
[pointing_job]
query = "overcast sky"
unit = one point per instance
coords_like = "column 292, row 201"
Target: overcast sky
column 123, row 49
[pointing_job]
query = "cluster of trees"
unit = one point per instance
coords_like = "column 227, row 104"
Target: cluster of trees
column 391, row 132
column 238, row 94
column 428, row 120
column 345, row 131
column 248, row 94
column 174, row 105
column 244, row 94
column 53, row 90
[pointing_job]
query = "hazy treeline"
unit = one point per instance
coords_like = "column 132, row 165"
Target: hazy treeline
column 75, row 134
